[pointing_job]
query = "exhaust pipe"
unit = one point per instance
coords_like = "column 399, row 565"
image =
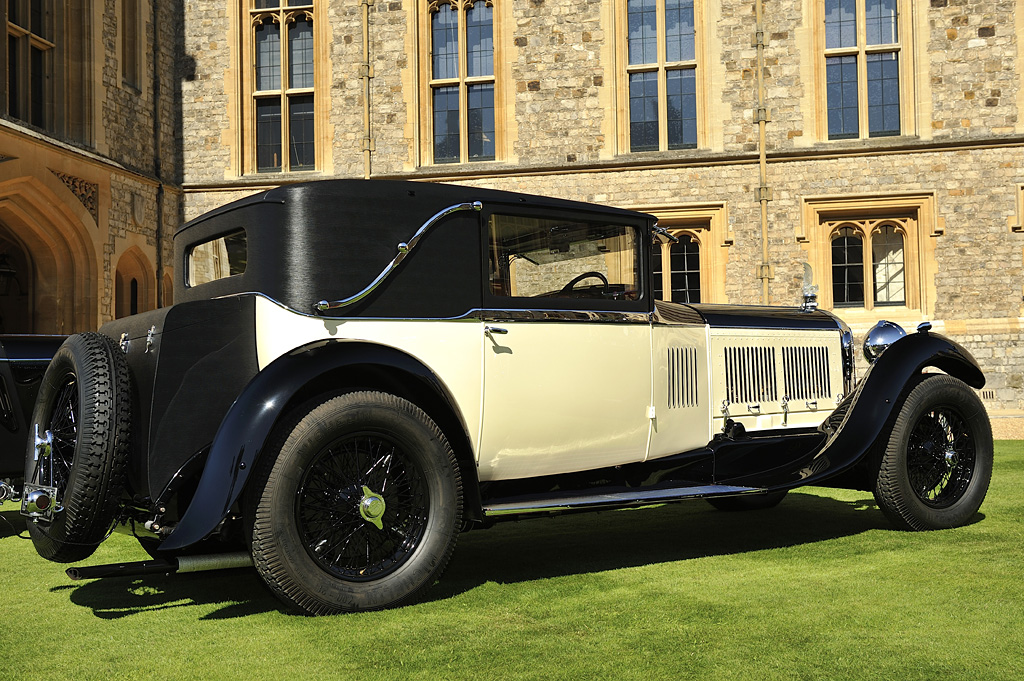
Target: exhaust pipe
column 217, row 561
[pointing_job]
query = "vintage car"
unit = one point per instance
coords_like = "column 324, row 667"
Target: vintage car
column 354, row 372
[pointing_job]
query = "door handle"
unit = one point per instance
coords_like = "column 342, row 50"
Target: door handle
column 491, row 330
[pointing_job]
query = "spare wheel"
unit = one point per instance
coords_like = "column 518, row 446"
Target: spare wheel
column 78, row 447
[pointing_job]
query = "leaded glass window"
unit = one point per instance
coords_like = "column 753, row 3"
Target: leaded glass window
column 283, row 96
column 868, row 261
column 31, row 48
column 862, row 68
column 462, row 82
column 887, row 266
column 661, row 55
column 847, row 268
column 683, row 260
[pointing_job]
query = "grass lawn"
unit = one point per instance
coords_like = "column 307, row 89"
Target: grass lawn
column 817, row 588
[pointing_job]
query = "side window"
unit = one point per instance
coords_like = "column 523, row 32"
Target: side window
column 217, row 258
column 551, row 258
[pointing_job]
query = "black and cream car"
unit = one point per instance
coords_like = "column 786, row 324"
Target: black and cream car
column 356, row 371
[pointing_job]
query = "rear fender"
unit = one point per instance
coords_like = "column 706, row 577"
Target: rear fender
column 249, row 423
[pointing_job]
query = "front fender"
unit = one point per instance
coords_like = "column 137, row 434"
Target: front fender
column 851, row 431
column 245, row 430
column 856, row 425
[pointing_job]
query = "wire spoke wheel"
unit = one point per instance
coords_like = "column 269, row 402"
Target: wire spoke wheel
column 355, row 506
column 337, row 492
column 940, row 457
column 84, row 411
column 55, row 469
column 935, row 470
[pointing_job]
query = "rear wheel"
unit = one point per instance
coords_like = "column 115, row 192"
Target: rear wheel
column 937, row 464
column 79, row 446
column 356, row 507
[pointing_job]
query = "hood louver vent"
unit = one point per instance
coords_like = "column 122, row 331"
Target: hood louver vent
column 806, row 373
column 750, row 375
column 682, row 377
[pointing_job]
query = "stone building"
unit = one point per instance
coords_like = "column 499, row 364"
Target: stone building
column 877, row 144
column 90, row 180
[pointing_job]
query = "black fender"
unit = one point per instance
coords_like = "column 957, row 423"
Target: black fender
column 851, row 431
column 883, row 388
column 249, row 422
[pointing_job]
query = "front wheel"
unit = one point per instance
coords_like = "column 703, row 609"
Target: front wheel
column 356, row 507
column 937, row 464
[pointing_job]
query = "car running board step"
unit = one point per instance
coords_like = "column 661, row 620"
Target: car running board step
column 568, row 501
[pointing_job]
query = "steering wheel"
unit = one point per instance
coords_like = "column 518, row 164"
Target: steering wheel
column 586, row 275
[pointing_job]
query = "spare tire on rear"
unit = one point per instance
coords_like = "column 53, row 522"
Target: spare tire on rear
column 84, row 404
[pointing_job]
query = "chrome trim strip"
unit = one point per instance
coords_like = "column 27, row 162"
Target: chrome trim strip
column 404, row 249
column 635, row 498
column 607, row 316
column 480, row 315
column 22, row 360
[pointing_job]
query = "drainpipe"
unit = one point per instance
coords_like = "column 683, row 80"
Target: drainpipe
column 764, row 192
column 157, row 165
column 366, row 70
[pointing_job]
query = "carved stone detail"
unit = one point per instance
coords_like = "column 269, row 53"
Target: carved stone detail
column 436, row 5
column 86, row 192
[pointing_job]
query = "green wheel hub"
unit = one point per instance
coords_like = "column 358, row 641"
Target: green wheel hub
column 372, row 508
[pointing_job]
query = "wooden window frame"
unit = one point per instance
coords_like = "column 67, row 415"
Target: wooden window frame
column 866, row 229
column 251, row 17
column 905, row 47
column 708, row 225
column 914, row 214
column 700, row 64
column 132, row 38
column 501, row 13
column 26, row 40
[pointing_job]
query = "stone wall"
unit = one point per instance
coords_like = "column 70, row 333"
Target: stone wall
column 962, row 146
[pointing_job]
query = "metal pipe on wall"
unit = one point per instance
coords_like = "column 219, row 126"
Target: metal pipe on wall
column 763, row 191
column 367, row 74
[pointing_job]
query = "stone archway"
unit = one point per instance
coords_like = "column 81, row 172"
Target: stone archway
column 46, row 228
column 16, row 277
column 134, row 284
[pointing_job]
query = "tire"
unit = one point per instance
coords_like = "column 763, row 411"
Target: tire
column 748, row 502
column 355, row 507
column 85, row 402
column 937, row 463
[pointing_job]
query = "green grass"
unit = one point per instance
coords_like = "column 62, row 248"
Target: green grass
column 818, row 588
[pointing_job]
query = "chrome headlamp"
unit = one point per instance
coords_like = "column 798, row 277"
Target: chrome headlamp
column 882, row 335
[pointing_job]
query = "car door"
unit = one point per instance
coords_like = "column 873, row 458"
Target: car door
column 567, row 346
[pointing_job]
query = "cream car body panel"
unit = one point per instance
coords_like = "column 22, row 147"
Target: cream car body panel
column 766, row 379
column 564, row 396
column 682, row 390
column 451, row 348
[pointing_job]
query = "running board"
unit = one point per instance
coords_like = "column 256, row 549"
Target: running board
column 567, row 501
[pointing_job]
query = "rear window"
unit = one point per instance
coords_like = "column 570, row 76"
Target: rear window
column 218, row 258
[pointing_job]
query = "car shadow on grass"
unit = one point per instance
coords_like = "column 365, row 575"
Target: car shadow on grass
column 12, row 523
column 240, row 593
column 557, row 547
column 530, row 550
